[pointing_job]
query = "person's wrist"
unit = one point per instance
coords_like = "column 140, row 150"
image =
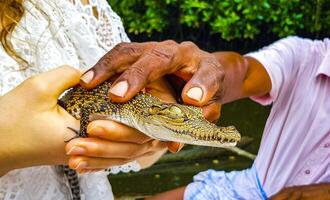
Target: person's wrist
column 20, row 150
column 21, row 156
column 50, row 149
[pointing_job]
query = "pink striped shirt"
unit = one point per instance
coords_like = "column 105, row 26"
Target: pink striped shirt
column 295, row 148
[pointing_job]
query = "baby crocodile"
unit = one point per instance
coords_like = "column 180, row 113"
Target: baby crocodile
column 162, row 121
column 146, row 113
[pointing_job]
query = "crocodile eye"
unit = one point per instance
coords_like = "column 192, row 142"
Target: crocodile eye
column 176, row 112
column 169, row 111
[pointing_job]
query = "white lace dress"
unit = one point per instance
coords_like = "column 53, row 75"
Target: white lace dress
column 54, row 33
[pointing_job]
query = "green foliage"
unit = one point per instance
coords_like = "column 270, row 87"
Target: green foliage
column 141, row 16
column 232, row 19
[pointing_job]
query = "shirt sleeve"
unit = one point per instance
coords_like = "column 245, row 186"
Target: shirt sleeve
column 281, row 60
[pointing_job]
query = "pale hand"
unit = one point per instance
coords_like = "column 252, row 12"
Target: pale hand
column 33, row 126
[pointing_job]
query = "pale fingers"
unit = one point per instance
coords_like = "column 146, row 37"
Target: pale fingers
column 94, row 147
column 117, row 132
column 82, row 164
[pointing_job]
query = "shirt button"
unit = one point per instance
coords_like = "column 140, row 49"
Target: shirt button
column 307, row 171
column 327, row 145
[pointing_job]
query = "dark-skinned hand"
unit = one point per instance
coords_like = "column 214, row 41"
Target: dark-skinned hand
column 141, row 63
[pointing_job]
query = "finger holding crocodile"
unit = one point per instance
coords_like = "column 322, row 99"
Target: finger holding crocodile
column 205, row 85
column 117, row 60
column 116, row 132
column 95, row 147
column 150, row 67
column 83, row 164
column 205, row 88
column 114, row 62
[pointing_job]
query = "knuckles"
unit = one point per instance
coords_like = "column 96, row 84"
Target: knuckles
column 138, row 70
column 189, row 45
column 170, row 42
column 126, row 48
column 120, row 46
column 122, row 52
column 164, row 53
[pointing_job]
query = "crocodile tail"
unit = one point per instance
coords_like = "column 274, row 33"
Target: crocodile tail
column 73, row 181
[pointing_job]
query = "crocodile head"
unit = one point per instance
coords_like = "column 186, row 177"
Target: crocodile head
column 180, row 123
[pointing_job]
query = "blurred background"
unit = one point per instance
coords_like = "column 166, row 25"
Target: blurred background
column 214, row 25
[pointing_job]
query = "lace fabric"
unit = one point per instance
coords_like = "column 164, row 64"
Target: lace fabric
column 133, row 166
column 54, row 33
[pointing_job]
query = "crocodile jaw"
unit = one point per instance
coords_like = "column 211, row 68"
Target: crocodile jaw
column 164, row 134
column 156, row 129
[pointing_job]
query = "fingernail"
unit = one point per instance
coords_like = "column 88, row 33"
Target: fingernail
column 95, row 130
column 86, row 78
column 174, row 147
column 180, row 147
column 119, row 89
column 76, row 151
column 195, row 93
column 81, row 165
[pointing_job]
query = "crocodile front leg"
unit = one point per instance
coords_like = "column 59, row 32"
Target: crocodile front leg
column 85, row 113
